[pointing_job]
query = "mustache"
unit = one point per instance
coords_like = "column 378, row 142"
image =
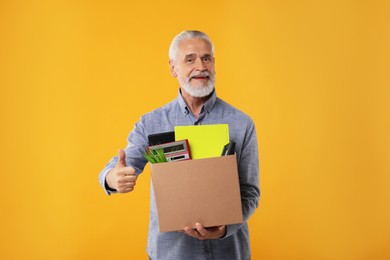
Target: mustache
column 199, row 74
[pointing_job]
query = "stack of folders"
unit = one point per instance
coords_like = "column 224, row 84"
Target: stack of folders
column 192, row 142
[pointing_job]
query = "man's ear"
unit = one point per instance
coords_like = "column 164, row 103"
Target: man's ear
column 172, row 67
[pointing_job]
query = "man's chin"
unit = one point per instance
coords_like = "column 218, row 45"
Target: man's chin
column 199, row 91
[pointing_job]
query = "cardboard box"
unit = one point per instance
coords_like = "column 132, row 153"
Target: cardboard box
column 204, row 190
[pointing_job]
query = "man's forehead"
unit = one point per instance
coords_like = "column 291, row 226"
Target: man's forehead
column 194, row 46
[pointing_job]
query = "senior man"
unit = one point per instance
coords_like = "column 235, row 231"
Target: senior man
column 191, row 60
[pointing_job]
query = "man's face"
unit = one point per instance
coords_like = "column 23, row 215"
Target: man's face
column 194, row 67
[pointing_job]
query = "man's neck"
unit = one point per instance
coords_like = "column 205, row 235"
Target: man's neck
column 195, row 104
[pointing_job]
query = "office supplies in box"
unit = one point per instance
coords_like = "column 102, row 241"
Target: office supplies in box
column 174, row 151
column 205, row 140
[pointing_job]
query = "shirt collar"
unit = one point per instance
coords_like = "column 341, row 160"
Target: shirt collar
column 208, row 105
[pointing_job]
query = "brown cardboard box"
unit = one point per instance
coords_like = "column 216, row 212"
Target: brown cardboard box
column 204, row 190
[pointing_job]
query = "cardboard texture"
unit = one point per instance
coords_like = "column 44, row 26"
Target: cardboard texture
column 204, row 190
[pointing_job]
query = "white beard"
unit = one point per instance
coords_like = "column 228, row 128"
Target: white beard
column 203, row 91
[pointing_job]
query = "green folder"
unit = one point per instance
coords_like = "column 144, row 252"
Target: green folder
column 205, row 140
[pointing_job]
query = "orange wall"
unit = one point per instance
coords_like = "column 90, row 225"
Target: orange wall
column 314, row 75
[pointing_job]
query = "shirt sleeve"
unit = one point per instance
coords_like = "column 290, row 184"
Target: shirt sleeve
column 136, row 144
column 248, row 168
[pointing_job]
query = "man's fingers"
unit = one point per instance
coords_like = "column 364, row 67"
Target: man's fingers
column 125, row 177
column 127, row 182
column 125, row 190
column 126, row 171
column 126, row 187
column 191, row 232
column 128, row 178
column 202, row 231
column 121, row 158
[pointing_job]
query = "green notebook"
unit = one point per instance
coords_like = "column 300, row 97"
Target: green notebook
column 205, row 140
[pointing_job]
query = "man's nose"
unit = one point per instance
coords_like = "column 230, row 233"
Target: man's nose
column 200, row 65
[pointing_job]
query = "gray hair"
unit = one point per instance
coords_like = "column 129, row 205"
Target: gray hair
column 184, row 36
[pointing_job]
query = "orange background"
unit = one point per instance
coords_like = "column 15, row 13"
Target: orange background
column 314, row 75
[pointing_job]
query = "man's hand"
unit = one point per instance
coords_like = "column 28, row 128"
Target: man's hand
column 121, row 178
column 203, row 233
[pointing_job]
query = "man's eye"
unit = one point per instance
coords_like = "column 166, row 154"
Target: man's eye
column 190, row 60
column 206, row 59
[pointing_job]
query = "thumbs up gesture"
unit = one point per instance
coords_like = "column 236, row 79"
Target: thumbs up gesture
column 121, row 178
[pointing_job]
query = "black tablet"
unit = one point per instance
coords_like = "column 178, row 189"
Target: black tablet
column 161, row 138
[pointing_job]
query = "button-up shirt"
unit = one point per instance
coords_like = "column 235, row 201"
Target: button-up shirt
column 176, row 245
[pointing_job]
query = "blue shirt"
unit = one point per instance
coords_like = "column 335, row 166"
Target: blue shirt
column 176, row 245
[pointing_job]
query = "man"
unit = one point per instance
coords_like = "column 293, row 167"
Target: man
column 191, row 61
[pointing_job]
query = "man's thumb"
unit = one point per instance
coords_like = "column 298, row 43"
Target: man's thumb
column 121, row 158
